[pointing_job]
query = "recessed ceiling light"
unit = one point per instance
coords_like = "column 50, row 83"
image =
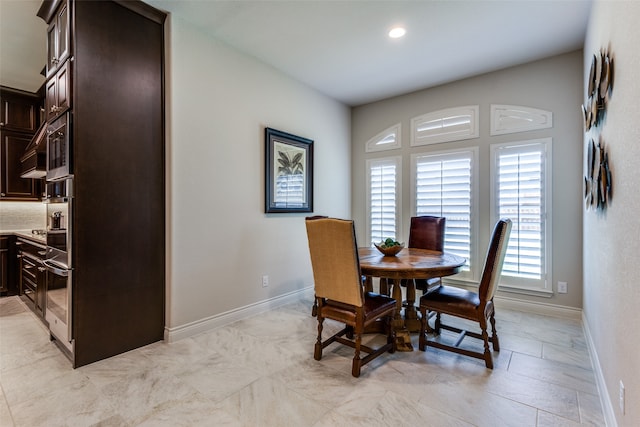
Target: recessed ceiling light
column 397, row 32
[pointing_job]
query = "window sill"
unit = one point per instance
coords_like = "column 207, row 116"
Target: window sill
column 473, row 285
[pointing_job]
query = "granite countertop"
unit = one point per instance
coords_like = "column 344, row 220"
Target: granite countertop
column 27, row 234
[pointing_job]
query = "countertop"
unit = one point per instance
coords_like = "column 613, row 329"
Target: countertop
column 27, row 234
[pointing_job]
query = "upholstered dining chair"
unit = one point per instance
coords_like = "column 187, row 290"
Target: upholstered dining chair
column 473, row 306
column 339, row 293
column 427, row 232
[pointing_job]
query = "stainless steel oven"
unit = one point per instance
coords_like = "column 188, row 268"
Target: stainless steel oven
column 58, row 261
column 59, row 162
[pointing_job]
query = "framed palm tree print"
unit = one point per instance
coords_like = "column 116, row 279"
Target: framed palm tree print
column 288, row 172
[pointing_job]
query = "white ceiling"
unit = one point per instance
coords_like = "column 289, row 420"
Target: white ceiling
column 341, row 48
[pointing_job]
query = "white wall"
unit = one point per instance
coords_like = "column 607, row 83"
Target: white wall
column 612, row 238
column 552, row 84
column 220, row 240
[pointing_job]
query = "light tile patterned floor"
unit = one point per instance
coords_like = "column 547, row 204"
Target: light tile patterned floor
column 261, row 372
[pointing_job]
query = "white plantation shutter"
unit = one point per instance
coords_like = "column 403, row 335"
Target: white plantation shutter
column 444, row 187
column 383, row 197
column 521, row 193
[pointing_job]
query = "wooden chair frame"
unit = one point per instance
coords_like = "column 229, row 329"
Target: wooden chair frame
column 339, row 292
column 469, row 305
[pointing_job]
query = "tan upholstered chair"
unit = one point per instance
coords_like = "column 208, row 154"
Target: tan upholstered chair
column 470, row 305
column 339, row 293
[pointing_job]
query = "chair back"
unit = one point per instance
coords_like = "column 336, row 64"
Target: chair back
column 495, row 258
column 427, row 232
column 334, row 259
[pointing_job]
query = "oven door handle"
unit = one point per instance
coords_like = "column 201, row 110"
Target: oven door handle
column 64, row 272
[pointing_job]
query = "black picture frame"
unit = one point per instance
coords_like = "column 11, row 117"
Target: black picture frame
column 288, row 172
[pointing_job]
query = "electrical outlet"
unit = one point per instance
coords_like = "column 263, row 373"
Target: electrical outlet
column 265, row 281
column 622, row 397
column 562, row 287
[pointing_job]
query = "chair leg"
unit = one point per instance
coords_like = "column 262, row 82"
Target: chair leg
column 488, row 360
column 357, row 362
column 314, row 309
column 422, row 338
column 391, row 334
column 438, row 322
column 317, row 354
column 494, row 334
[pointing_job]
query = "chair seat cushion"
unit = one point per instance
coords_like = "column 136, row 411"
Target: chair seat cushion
column 449, row 299
column 374, row 306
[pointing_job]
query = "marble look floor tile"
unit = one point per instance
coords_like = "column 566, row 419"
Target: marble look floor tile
column 117, row 369
column 554, row 372
column 193, row 411
column 217, row 378
column 545, row 419
column 472, row 403
column 114, row 420
column 175, row 357
column 11, row 306
column 76, row 404
column 569, row 355
column 394, row 410
column 40, row 378
column 5, row 414
column 268, row 402
column 520, row 344
column 549, row 397
column 138, row 396
column 590, row 409
column 262, row 354
column 261, row 372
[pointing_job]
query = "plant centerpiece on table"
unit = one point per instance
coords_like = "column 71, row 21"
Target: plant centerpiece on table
column 389, row 247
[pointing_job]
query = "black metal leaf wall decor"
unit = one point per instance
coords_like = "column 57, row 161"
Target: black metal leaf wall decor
column 597, row 182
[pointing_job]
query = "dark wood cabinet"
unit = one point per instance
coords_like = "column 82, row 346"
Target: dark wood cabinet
column 116, row 67
column 19, row 111
column 58, row 90
column 20, row 119
column 4, row 264
column 58, row 38
column 12, row 186
column 32, row 275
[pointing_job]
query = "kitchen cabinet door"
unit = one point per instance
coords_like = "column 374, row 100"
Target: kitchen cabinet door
column 58, row 90
column 4, row 264
column 58, row 39
column 12, row 186
column 18, row 112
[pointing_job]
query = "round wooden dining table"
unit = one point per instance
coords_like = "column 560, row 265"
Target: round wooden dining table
column 409, row 264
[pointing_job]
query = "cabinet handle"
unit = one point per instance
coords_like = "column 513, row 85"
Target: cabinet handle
column 42, row 269
column 2, row 194
column 42, row 253
column 18, row 256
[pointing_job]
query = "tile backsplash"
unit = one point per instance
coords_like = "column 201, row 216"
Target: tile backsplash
column 22, row 215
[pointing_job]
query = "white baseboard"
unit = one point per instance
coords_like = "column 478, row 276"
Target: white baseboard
column 605, row 400
column 190, row 329
column 535, row 307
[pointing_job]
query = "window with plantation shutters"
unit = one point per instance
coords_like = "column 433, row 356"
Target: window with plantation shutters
column 445, row 185
column 522, row 192
column 383, row 195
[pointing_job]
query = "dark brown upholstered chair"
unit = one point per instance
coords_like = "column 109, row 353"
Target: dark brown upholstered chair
column 427, row 232
column 470, row 305
column 339, row 293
